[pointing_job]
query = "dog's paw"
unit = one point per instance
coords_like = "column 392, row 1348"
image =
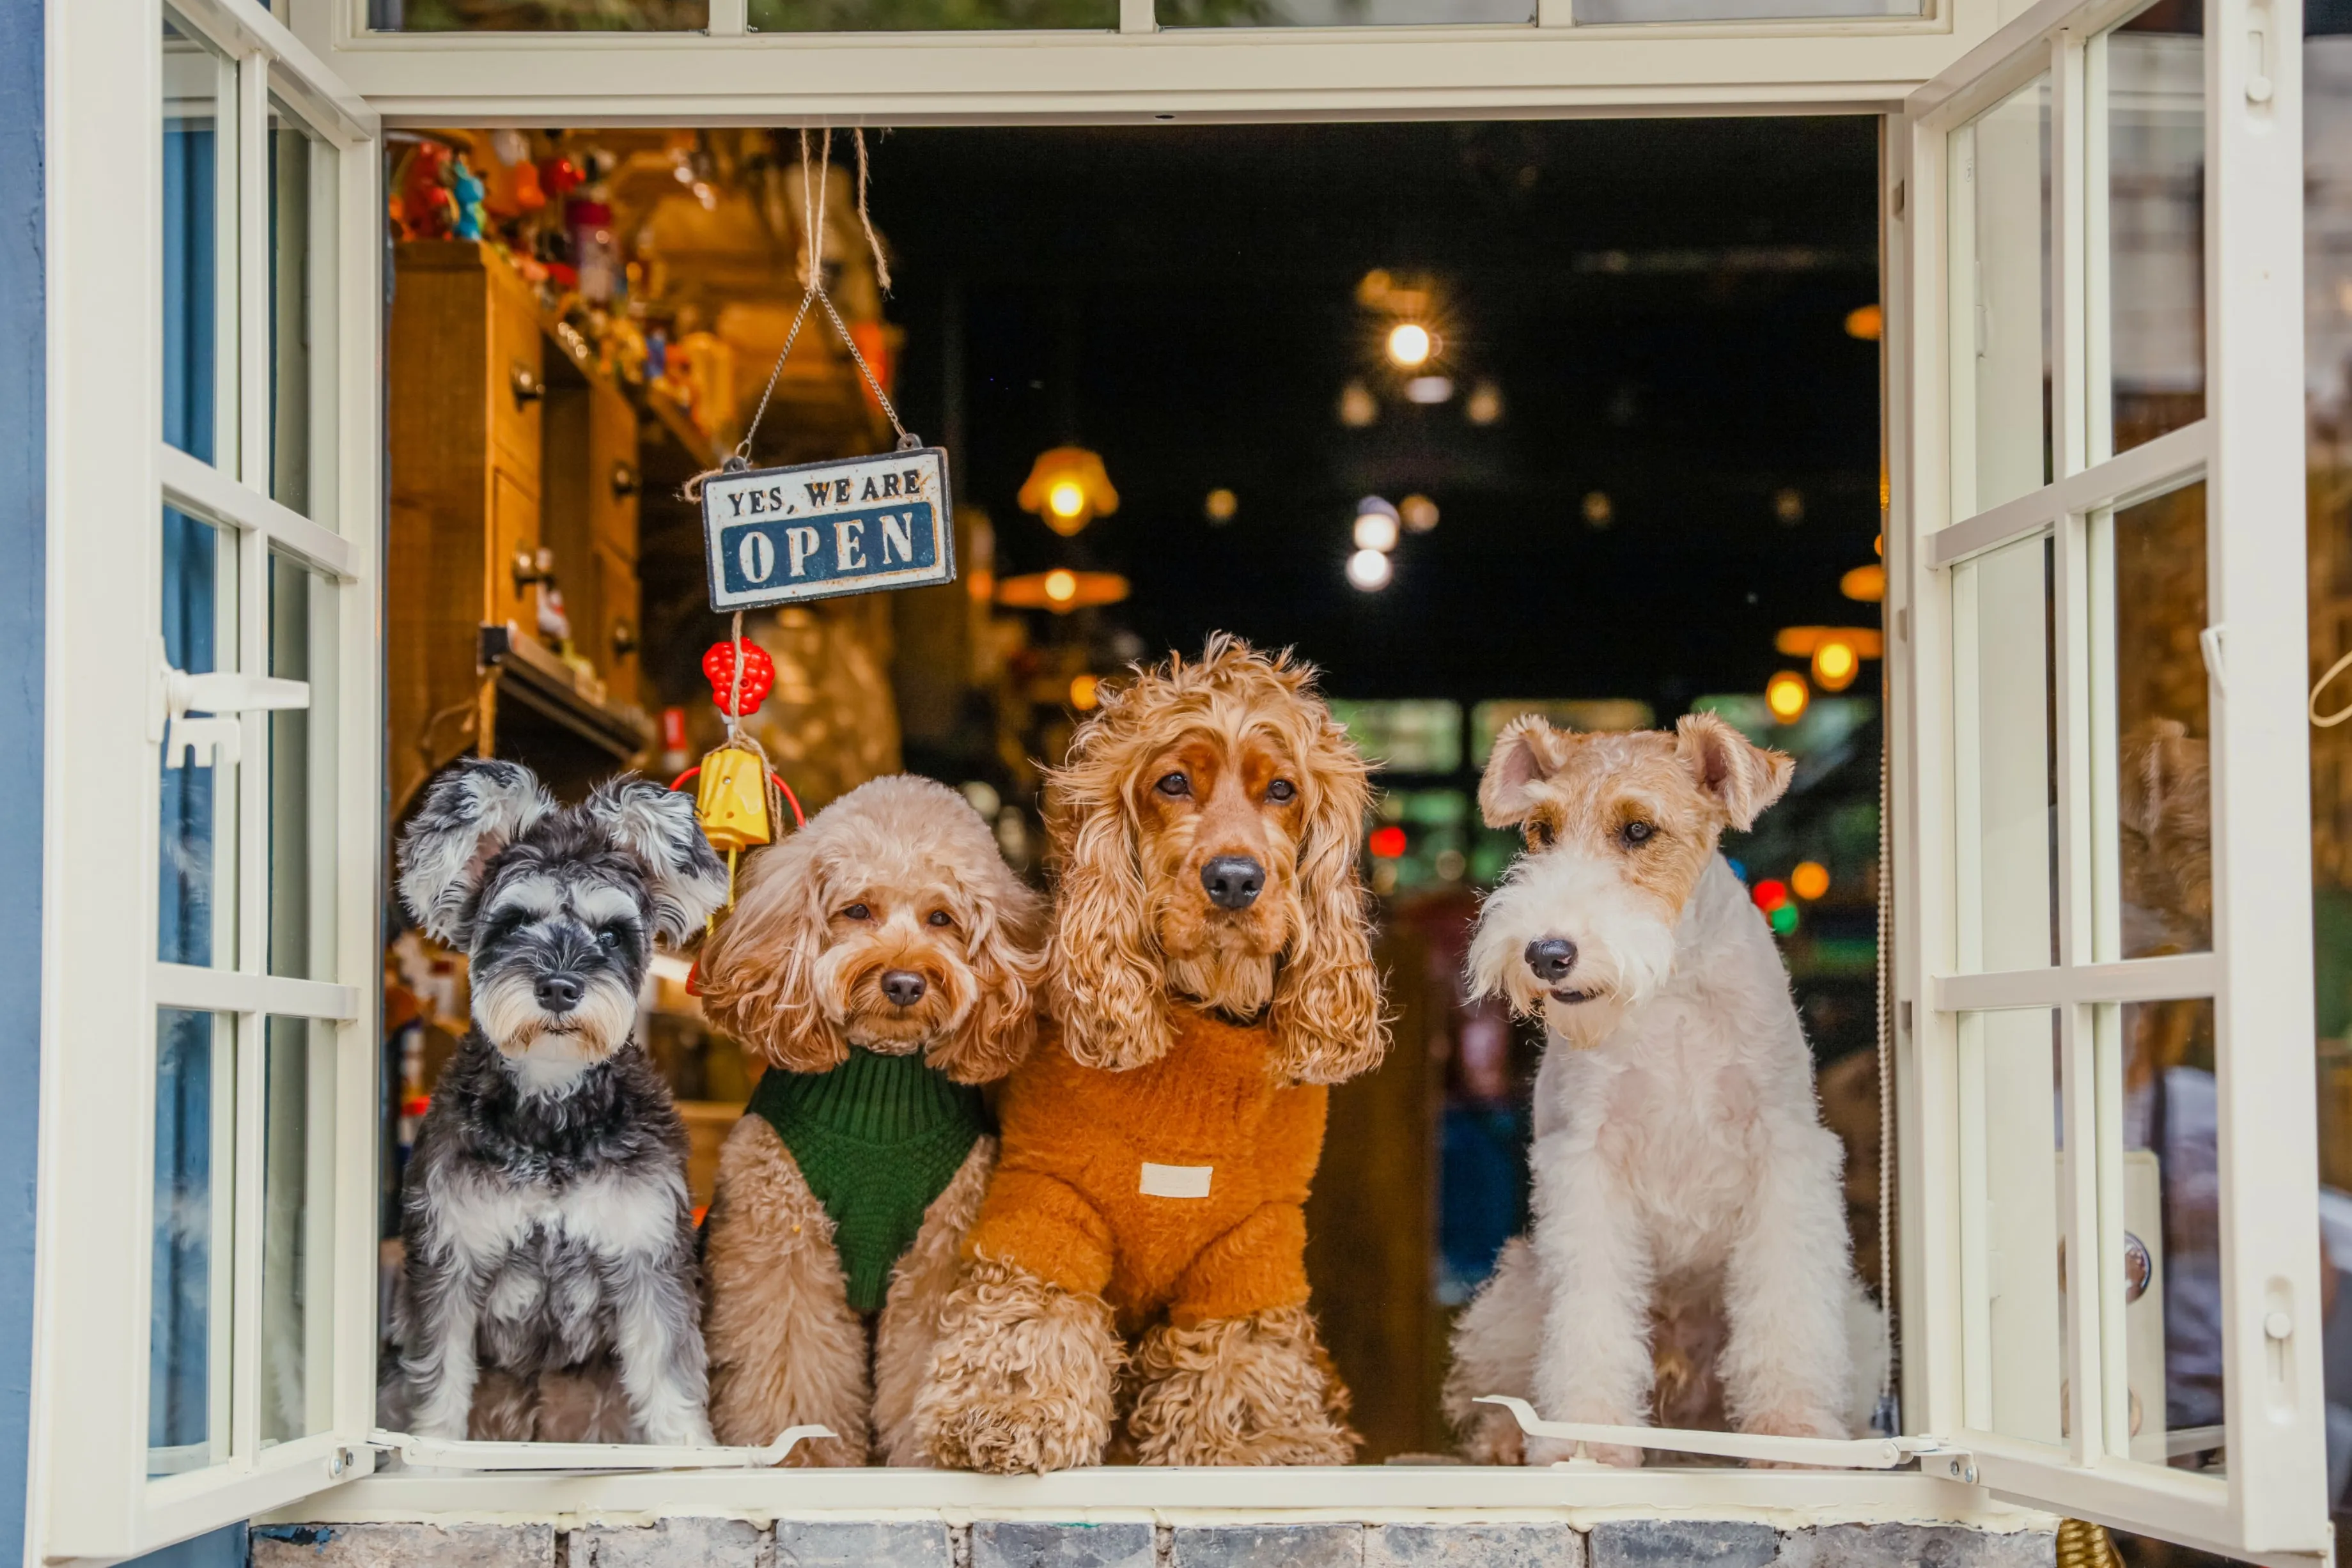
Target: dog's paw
column 1492, row 1437
column 1020, row 1377
column 1239, row 1391
column 1793, row 1421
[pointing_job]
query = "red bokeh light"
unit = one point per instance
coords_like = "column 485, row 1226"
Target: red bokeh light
column 1771, row 894
column 1388, row 844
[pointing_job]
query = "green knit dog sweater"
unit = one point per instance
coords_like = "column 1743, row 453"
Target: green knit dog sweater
column 877, row 1139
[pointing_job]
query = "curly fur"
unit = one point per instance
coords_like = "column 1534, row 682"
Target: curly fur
column 791, row 975
column 1023, row 1378
column 1127, row 912
column 1241, row 1391
column 919, row 1288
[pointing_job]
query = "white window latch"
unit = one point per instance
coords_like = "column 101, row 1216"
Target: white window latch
column 196, row 713
column 2211, row 642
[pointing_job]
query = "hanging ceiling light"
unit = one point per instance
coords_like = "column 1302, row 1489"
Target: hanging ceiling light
column 1061, row 591
column 1410, row 345
column 1068, row 487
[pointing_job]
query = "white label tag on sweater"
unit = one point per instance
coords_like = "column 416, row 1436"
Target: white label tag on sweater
column 1175, row 1181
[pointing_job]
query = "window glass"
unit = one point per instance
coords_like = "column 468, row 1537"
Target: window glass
column 298, row 1209
column 2161, row 827
column 1340, row 13
column 188, row 1300
column 1411, row 734
column 2001, row 348
column 538, row 15
column 197, row 920
column 199, row 246
column 918, row 15
column 2005, row 793
column 2011, row 1178
column 302, row 647
column 2164, row 1250
column 301, row 214
column 2154, row 72
column 1594, row 12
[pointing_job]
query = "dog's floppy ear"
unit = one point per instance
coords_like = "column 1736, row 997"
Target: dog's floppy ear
column 1105, row 989
column 1326, row 997
column 689, row 880
column 470, row 814
column 1526, row 753
column 1744, row 778
column 758, row 973
column 1008, row 964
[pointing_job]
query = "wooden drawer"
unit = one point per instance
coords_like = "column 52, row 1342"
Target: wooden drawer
column 518, row 375
column 614, row 478
column 618, row 621
column 514, row 532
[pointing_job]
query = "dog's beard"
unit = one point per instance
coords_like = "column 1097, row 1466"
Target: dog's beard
column 1224, row 960
column 547, row 1050
column 849, row 981
column 1624, row 945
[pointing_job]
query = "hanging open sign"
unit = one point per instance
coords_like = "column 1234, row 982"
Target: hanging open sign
column 819, row 530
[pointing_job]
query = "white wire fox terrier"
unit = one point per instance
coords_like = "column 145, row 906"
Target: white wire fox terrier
column 1689, row 1264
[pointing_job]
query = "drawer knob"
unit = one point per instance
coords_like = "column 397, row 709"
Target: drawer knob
column 533, row 566
column 626, row 482
column 624, row 639
column 527, row 387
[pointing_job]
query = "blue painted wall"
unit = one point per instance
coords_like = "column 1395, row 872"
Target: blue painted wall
column 24, row 339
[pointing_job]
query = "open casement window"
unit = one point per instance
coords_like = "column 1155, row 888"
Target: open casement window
column 209, row 1073
column 2111, row 1273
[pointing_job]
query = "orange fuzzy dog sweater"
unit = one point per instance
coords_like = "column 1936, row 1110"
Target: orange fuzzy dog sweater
column 1180, row 1185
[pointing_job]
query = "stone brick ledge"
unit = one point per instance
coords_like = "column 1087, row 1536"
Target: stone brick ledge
column 696, row 1543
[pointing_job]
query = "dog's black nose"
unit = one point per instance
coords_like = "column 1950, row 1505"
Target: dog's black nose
column 903, row 987
column 1234, row 881
column 558, row 993
column 1551, row 958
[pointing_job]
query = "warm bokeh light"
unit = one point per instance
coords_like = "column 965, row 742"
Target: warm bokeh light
column 1486, row 404
column 1810, row 879
column 1788, row 696
column 1599, row 509
column 1835, row 663
column 1068, row 487
column 1086, row 691
column 1798, row 641
column 1770, row 895
column 1376, row 531
column 1221, row 506
column 1410, row 344
column 1866, row 583
column 1358, row 407
column 1419, row 513
column 1867, row 322
column 1369, row 569
column 1428, row 389
column 1061, row 591
column 1061, row 586
column 1387, row 844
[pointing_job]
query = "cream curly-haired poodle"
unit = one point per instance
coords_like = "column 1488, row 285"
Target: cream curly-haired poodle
column 1210, row 972
column 884, row 959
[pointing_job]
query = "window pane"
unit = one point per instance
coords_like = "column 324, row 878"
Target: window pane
column 2154, row 76
column 1591, row 12
column 198, row 907
column 301, row 214
column 916, row 15
column 2000, row 351
column 2163, row 869
column 2011, row 1223
column 188, row 1302
column 298, row 1228
column 302, row 647
column 2004, row 786
column 538, row 15
column 199, row 246
column 1340, row 13
column 2164, row 1253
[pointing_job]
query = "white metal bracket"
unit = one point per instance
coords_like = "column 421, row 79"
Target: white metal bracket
column 217, row 696
column 2211, row 641
column 442, row 1454
column 1829, row 1453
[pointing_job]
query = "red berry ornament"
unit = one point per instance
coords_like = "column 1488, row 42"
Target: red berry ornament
column 759, row 676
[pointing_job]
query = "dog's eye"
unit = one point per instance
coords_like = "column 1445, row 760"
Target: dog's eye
column 938, row 917
column 1175, row 786
column 1540, row 834
column 1281, row 790
column 1637, row 832
column 858, row 912
column 608, row 938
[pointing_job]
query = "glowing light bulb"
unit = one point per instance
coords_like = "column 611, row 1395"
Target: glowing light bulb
column 1377, row 531
column 1061, row 585
column 1369, row 569
column 1410, row 344
column 1835, row 663
column 1086, row 691
column 1786, row 694
column 1068, row 498
column 1810, row 879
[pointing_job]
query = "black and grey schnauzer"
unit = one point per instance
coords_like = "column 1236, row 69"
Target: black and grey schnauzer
column 551, row 1290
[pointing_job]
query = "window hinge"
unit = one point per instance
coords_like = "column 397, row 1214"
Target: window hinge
column 190, row 713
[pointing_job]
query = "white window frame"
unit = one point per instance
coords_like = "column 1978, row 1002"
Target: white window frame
column 110, row 475
column 2248, row 451
column 91, row 1498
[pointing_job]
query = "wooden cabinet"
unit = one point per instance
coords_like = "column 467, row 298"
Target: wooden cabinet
column 501, row 446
